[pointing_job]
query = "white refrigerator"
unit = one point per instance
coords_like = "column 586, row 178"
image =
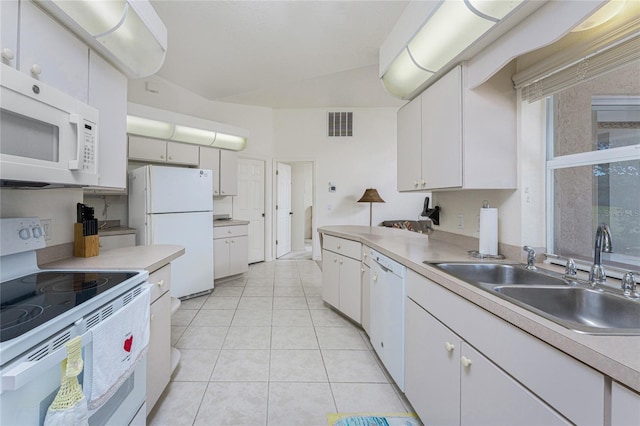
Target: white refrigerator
column 174, row 205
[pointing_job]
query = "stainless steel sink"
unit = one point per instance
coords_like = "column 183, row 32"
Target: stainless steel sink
column 497, row 274
column 578, row 308
column 572, row 304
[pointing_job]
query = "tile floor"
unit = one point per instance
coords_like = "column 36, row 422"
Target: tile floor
column 263, row 349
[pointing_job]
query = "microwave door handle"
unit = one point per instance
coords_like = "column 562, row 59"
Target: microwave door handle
column 77, row 163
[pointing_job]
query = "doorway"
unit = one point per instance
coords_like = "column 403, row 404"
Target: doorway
column 294, row 209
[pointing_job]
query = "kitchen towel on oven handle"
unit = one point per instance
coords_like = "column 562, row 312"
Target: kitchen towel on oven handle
column 118, row 344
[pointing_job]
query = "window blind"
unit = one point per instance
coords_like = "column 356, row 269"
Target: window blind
column 550, row 76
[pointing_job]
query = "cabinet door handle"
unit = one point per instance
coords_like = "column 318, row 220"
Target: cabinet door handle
column 335, row 259
column 170, row 158
column 449, row 346
column 162, row 157
column 152, row 317
column 466, row 362
column 338, row 247
column 415, row 184
column 375, row 276
column 160, row 283
column 226, row 241
column 362, row 270
column 423, row 183
column 8, row 54
column 341, row 261
column 36, row 69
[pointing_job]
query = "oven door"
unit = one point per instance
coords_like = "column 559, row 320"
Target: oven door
column 29, row 387
column 47, row 135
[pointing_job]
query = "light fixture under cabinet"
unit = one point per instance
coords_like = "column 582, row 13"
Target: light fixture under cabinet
column 180, row 133
column 129, row 33
column 448, row 31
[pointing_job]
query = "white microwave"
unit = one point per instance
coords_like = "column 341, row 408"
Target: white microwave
column 47, row 138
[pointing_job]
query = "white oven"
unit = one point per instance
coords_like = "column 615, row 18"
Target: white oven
column 42, row 310
column 48, row 137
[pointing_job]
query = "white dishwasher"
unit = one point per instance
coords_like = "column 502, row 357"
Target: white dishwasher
column 388, row 294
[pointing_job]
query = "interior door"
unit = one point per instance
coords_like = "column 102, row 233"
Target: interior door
column 249, row 204
column 283, row 209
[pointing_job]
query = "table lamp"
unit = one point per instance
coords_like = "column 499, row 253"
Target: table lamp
column 370, row 196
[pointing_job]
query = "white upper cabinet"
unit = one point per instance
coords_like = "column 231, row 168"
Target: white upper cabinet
column 161, row 151
column 410, row 146
column 224, row 164
column 462, row 138
column 108, row 93
column 52, row 54
column 9, row 32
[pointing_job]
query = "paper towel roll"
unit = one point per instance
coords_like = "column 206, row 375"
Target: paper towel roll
column 488, row 231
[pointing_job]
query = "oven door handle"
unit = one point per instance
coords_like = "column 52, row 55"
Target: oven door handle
column 23, row 373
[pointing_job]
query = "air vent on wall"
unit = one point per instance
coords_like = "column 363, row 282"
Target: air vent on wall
column 340, row 124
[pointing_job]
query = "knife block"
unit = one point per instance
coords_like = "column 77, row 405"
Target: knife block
column 84, row 245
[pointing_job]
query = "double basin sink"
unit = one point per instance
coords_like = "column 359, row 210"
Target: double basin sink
column 572, row 304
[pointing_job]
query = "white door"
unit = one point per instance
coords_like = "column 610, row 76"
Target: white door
column 283, row 209
column 249, row 204
column 193, row 272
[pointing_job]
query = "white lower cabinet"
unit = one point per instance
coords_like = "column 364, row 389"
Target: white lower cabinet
column 341, row 283
column 625, row 406
column 231, row 250
column 159, row 352
column 448, row 382
column 512, row 378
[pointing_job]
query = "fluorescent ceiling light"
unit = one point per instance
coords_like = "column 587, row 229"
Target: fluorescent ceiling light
column 451, row 29
column 179, row 133
column 602, row 15
column 129, row 33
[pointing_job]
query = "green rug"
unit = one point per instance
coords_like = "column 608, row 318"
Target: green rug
column 361, row 419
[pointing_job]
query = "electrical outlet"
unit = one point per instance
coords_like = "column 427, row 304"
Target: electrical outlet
column 46, row 228
column 460, row 221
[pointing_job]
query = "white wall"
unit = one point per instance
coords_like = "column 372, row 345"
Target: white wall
column 59, row 205
column 368, row 159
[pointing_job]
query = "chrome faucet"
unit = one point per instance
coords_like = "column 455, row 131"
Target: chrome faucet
column 531, row 258
column 603, row 243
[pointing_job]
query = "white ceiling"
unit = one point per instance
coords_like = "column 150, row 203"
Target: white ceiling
column 280, row 54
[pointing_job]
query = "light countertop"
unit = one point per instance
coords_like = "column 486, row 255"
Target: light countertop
column 116, row 230
column 229, row 222
column 149, row 258
column 615, row 356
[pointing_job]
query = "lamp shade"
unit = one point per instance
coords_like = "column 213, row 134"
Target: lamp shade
column 371, row 196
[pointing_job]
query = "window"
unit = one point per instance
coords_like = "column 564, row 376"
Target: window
column 593, row 167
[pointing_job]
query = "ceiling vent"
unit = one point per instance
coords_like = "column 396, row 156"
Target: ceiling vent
column 340, row 124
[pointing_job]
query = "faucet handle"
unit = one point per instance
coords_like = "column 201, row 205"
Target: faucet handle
column 629, row 285
column 570, row 268
column 531, row 257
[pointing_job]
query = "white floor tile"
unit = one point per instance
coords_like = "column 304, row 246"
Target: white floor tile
column 256, row 303
column 294, row 404
column 328, row 318
column 297, row 366
column 244, row 318
column 183, row 316
column 248, row 338
column 234, row 404
column 213, row 317
column 294, row 338
column 352, row 366
column 340, row 338
column 290, row 303
column 221, row 303
column 291, row 318
column 366, row 397
column 178, row 405
column 202, row 338
column 242, row 366
column 196, row 365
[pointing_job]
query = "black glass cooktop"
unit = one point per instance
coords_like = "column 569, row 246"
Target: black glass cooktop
column 32, row 300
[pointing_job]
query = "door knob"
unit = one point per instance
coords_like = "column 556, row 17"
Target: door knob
column 466, row 362
column 449, row 346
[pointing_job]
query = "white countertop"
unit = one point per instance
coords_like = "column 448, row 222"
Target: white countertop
column 229, row 222
column 615, row 356
column 149, row 258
